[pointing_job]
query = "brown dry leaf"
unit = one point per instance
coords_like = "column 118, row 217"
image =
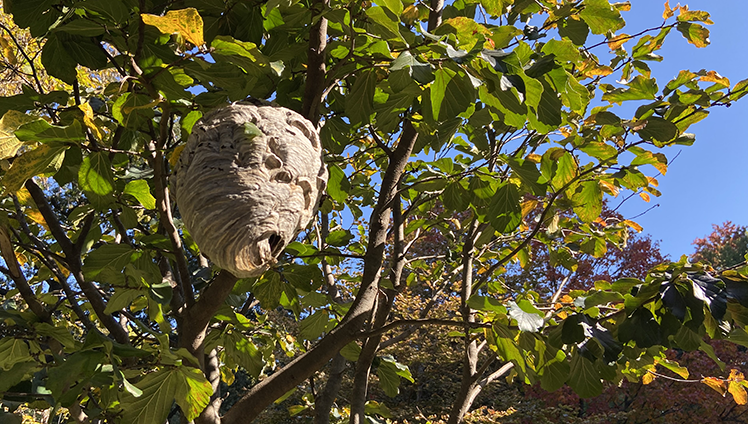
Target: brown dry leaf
column 716, row 383
column 185, row 22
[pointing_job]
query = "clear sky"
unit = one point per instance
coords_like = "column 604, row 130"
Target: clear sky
column 708, row 182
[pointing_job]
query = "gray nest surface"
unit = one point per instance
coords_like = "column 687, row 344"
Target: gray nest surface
column 248, row 180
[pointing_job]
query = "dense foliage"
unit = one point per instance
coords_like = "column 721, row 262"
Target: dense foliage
column 494, row 123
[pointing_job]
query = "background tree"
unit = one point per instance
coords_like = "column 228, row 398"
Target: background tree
column 724, row 248
column 457, row 118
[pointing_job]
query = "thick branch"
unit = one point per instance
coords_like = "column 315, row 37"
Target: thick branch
column 273, row 387
column 316, row 56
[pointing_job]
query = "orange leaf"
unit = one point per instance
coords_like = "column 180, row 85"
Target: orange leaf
column 736, row 375
column 738, row 393
column 668, row 13
column 616, row 42
column 713, row 76
column 644, row 196
column 715, row 383
column 567, row 299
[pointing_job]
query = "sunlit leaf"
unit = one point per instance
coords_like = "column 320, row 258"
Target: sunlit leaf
column 186, row 22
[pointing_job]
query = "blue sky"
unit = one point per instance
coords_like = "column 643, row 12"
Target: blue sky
column 708, row 182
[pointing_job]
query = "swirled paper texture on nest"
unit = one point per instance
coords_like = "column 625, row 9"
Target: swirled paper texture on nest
column 247, row 181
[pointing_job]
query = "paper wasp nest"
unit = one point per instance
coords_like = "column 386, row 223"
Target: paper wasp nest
column 248, row 180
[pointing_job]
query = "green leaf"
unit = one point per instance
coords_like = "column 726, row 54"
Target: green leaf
column 121, row 299
column 242, row 351
column 140, row 190
column 133, row 110
column 601, row 16
column 505, row 345
column 373, row 407
column 268, row 290
column 640, row 88
column 359, row 103
column 588, row 202
column 451, row 93
column 61, row 334
column 505, row 212
column 57, row 62
column 486, row 303
column 96, row 179
column 659, row 131
column 160, row 389
column 112, row 256
column 565, row 172
column 351, row 351
column 528, row 173
column 389, row 372
column 337, row 184
column 554, row 373
column 339, row 238
column 314, row 325
column 584, row 378
column 527, row 316
column 13, row 351
column 696, row 34
column 388, row 21
column 112, row 10
column 193, row 395
column 455, row 197
column 31, row 163
column 496, row 7
column 43, row 132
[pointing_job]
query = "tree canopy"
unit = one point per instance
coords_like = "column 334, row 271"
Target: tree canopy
column 496, row 127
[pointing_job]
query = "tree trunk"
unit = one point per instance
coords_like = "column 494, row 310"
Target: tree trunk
column 326, row 398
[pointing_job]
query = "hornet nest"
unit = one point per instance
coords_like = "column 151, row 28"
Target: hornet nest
column 248, row 180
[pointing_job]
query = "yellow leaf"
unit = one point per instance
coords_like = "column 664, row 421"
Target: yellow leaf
column 37, row 217
column 528, row 207
column 622, row 6
column 653, row 182
column 633, row 225
column 88, row 119
column 410, row 14
column 715, row 383
column 738, row 393
column 562, row 314
column 23, row 196
column 609, row 188
column 567, row 299
column 9, row 123
column 186, row 22
column 644, row 196
column 713, row 76
column 648, row 378
column 534, row 157
column 6, row 47
column 175, row 155
column 616, row 42
column 736, row 375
